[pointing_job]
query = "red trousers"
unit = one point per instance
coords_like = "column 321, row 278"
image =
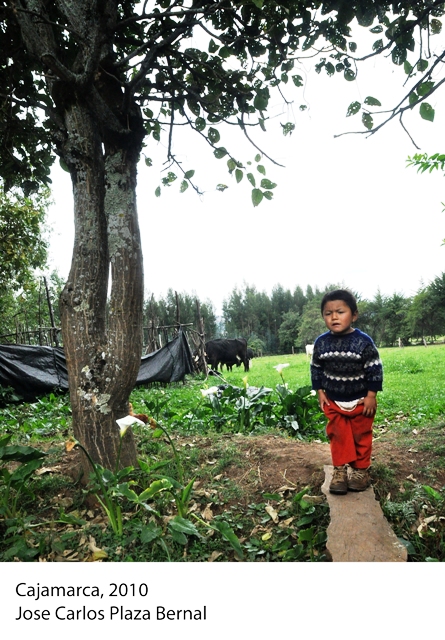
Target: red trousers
column 350, row 436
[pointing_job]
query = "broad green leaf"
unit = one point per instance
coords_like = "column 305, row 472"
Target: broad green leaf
column 184, row 186
column 257, row 196
column 349, row 75
column 220, row 152
column 261, row 169
column 422, row 65
column 125, row 490
column 352, row 47
column 150, row 532
column 298, row 81
column 148, row 162
column 25, row 471
column 267, row 184
column 4, row 440
column 178, row 537
column 425, row 87
column 261, row 99
column 257, row 157
column 184, row 526
column 251, row 179
column 427, row 112
column 377, row 29
column 330, row 69
column 221, row 187
column 306, row 535
column 158, row 485
column 19, row 453
column 367, row 120
column 373, row 102
column 378, row 44
column 157, row 433
column 213, row 135
column 258, row 3
column 189, row 174
column 353, row 108
column 268, row 195
column 239, row 175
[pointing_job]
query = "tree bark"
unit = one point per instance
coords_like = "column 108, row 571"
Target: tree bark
column 102, row 353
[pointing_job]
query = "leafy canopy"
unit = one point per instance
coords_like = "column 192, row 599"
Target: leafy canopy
column 197, row 63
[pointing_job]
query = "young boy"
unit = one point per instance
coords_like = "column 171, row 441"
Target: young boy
column 346, row 372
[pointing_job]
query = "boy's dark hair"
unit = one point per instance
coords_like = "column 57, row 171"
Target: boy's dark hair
column 340, row 294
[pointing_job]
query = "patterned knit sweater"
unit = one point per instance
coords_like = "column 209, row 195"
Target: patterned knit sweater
column 346, row 367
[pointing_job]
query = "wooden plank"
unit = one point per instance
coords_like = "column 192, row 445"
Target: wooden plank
column 358, row 531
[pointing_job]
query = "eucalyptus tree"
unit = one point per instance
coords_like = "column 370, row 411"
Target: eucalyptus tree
column 93, row 81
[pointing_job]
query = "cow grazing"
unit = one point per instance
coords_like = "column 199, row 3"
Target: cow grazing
column 309, row 350
column 224, row 351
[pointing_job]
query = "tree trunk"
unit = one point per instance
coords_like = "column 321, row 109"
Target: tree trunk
column 102, row 357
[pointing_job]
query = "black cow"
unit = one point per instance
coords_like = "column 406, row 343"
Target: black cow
column 223, row 351
column 249, row 353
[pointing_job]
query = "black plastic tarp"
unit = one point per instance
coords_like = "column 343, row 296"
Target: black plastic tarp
column 34, row 371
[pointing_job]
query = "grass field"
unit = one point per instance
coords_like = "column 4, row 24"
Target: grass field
column 196, row 511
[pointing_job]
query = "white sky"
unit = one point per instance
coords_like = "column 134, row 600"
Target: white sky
column 346, row 210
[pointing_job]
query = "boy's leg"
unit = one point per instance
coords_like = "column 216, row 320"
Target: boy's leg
column 362, row 433
column 341, row 438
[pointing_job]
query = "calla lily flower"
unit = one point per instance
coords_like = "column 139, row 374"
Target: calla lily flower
column 209, row 392
column 126, row 422
column 280, row 367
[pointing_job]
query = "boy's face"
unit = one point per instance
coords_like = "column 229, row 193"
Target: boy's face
column 338, row 317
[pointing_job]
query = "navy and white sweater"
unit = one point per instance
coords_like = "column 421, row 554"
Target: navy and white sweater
column 346, row 367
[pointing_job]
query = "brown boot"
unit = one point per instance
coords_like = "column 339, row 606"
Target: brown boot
column 339, row 482
column 359, row 480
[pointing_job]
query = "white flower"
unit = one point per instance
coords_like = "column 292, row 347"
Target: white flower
column 280, row 367
column 126, row 422
column 209, row 392
column 313, row 392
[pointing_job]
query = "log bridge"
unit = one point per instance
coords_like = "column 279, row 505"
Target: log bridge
column 358, row 531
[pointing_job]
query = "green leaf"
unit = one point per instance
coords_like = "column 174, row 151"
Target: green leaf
column 261, row 99
column 353, row 108
column 239, row 175
column 422, row 65
column 231, row 164
column 349, row 75
column 200, row 124
column 267, row 184
column 148, row 162
column 64, row 165
column 158, row 485
column 25, row 471
column 257, row 157
column 213, row 135
column 407, row 67
column 257, row 196
column 425, row 88
column 427, row 112
column 220, row 152
column 352, row 47
column 227, row 532
column 373, row 102
column 189, row 174
column 183, row 526
column 268, row 195
column 288, row 128
column 251, row 179
column 298, row 81
column 436, row 26
column 184, row 186
column 413, row 98
column 150, row 532
column 261, row 169
column 19, row 453
column 213, row 47
column 258, row 3
column 221, row 187
column 367, row 120
column 378, row 44
column 377, row 29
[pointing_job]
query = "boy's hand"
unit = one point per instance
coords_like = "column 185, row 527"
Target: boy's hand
column 370, row 404
column 322, row 398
